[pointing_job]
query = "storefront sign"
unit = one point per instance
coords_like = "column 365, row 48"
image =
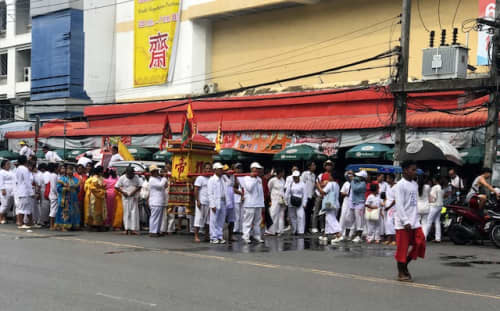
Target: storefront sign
column 154, row 31
column 257, row 142
column 486, row 9
column 325, row 143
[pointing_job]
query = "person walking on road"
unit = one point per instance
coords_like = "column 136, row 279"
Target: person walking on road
column 408, row 228
column 202, row 211
column 7, row 181
column 217, row 204
column 355, row 216
column 436, row 198
column 253, row 203
column 128, row 186
column 68, row 213
column 157, row 200
column 277, row 189
column 296, row 198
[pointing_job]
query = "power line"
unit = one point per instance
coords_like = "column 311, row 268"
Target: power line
column 455, row 15
column 439, row 14
column 420, row 15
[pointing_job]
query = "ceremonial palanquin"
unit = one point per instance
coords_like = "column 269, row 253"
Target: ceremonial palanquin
column 187, row 163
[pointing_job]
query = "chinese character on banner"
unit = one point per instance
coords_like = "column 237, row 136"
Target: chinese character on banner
column 158, row 49
column 181, row 166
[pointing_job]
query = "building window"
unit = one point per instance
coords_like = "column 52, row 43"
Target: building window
column 3, row 19
column 23, row 65
column 6, row 110
column 23, row 17
column 3, row 68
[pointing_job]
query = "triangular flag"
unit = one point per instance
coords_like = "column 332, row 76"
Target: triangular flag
column 186, row 131
column 218, row 138
column 166, row 134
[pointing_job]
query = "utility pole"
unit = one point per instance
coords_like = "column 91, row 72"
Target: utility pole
column 490, row 146
column 402, row 80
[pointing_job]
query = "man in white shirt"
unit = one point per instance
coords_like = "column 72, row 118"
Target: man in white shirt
column 129, row 186
column 157, row 199
column 253, row 203
column 24, row 192
column 115, row 156
column 309, row 179
column 202, row 211
column 408, row 230
column 456, row 185
column 25, row 150
column 50, row 155
column 216, row 190
column 238, row 192
column 52, row 183
column 85, row 159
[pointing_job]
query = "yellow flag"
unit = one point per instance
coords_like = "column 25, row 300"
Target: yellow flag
column 218, row 138
column 189, row 113
column 123, row 151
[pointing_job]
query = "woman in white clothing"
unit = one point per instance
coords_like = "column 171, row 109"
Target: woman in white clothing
column 373, row 206
column 277, row 190
column 436, row 204
column 296, row 200
column 6, row 190
column 330, row 206
column 424, row 189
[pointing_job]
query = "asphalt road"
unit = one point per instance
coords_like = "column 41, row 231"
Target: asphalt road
column 106, row 271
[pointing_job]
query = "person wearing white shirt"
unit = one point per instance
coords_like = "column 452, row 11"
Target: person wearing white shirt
column 52, row 184
column 202, row 211
column 436, row 198
column 50, row 155
column 408, row 228
column 44, row 203
column 24, row 192
column 42, row 214
column 145, row 211
column 25, row 150
column 373, row 205
column 253, row 203
column 216, row 190
column 424, row 189
column 229, row 180
column 157, row 199
column 389, row 212
column 276, row 187
column 330, row 206
column 238, row 192
column 7, row 180
column 115, row 156
column 456, row 185
column 296, row 200
column 289, row 179
column 309, row 179
column 344, row 193
column 128, row 186
column 84, row 159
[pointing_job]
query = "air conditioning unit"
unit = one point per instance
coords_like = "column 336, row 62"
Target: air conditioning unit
column 445, row 62
column 210, row 88
column 27, row 74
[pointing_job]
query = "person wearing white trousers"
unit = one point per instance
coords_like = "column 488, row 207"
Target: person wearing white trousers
column 238, row 193
column 345, row 192
column 129, row 186
column 330, row 207
column 436, row 198
column 157, row 200
column 296, row 198
column 373, row 206
column 424, row 189
column 202, row 212
column 390, row 231
column 253, row 203
column 24, row 191
column 7, row 180
column 217, row 204
column 276, row 187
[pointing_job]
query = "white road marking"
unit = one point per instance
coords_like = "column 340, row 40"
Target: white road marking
column 127, row 299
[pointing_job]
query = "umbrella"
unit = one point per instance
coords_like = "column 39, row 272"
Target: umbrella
column 299, row 153
column 389, row 155
column 162, row 155
column 430, row 149
column 140, row 153
column 368, row 151
column 473, row 155
column 6, row 154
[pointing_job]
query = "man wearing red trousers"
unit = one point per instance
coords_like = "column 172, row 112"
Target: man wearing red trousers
column 408, row 229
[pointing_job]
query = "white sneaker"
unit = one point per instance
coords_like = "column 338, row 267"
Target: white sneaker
column 247, row 241
column 314, row 230
column 259, row 240
column 337, row 240
column 323, row 238
column 321, row 213
column 214, row 241
column 288, row 228
column 25, row 227
column 37, row 226
column 222, row 241
column 356, row 240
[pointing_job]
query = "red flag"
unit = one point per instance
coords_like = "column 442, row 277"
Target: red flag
column 166, row 134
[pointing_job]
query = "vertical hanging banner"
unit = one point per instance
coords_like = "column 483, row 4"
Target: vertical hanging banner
column 486, row 9
column 154, row 40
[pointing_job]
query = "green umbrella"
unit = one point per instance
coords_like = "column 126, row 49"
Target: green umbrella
column 162, row 155
column 73, row 153
column 6, row 154
column 299, row 153
column 368, row 151
column 473, row 155
column 140, row 153
column 228, row 154
column 389, row 155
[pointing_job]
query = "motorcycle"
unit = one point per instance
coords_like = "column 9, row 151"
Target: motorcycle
column 465, row 224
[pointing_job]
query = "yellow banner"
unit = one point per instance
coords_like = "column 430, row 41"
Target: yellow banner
column 155, row 25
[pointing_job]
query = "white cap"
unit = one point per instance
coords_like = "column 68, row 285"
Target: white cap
column 363, row 174
column 256, row 165
column 217, row 165
column 296, row 174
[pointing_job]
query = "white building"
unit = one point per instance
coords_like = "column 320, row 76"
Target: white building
column 15, row 57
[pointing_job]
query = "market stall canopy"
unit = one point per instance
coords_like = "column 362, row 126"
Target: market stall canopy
column 473, row 155
column 299, row 153
column 389, row 155
column 162, row 155
column 14, row 127
column 6, row 154
column 430, row 149
column 229, row 154
column 368, row 151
